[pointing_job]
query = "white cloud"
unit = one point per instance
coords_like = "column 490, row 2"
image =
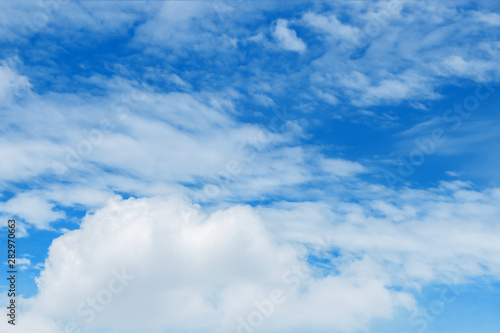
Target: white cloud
column 287, row 37
column 452, row 174
column 197, row 271
column 332, row 26
column 406, row 86
column 395, row 56
column 154, row 141
column 23, row 261
column 488, row 17
column 211, row 267
column 11, row 83
column 31, row 322
column 419, row 236
column 19, row 156
column 31, row 208
column 342, row 168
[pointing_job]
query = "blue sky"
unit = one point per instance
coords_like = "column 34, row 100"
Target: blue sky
column 209, row 147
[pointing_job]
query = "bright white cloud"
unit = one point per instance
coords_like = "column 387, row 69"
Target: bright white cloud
column 192, row 270
column 212, row 267
column 31, row 208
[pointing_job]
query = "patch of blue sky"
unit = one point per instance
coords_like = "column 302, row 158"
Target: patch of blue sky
column 447, row 308
column 36, row 244
column 34, row 247
column 325, row 263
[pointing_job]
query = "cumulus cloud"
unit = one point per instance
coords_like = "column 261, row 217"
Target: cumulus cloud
column 206, row 269
column 287, row 37
column 186, row 264
column 32, row 322
column 197, row 270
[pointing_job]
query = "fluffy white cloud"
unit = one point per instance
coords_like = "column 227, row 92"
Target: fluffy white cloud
column 182, row 267
column 185, row 269
column 186, row 265
column 32, row 322
column 31, row 208
column 287, row 37
column 211, row 267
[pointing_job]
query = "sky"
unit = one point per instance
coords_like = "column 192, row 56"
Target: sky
column 251, row 166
